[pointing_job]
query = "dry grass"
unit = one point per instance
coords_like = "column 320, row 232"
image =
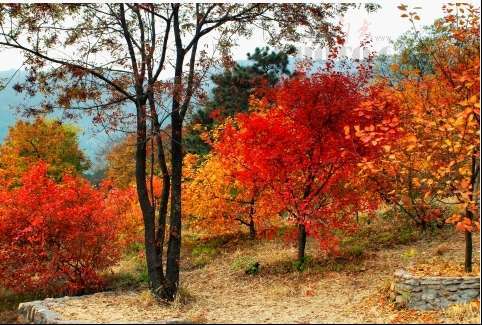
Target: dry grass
column 464, row 313
column 438, row 267
column 352, row 289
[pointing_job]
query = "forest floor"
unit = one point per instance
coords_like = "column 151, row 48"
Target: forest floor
column 350, row 289
column 215, row 286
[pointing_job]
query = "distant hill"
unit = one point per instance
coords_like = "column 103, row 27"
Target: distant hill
column 91, row 139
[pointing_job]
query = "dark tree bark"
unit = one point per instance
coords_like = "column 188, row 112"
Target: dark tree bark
column 252, row 229
column 301, row 242
column 468, row 251
column 470, row 215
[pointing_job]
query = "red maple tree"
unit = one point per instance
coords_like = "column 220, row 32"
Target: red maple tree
column 295, row 141
column 54, row 236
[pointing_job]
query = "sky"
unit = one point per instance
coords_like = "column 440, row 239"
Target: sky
column 383, row 26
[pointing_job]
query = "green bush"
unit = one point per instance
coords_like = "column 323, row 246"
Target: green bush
column 302, row 265
column 203, row 255
column 355, row 250
column 242, row 262
column 252, row 268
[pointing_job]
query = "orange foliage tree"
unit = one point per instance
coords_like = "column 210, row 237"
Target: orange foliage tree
column 29, row 142
column 216, row 202
column 437, row 157
column 122, row 203
column 54, row 236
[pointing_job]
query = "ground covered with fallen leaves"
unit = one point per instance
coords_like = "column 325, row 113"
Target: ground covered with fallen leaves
column 353, row 289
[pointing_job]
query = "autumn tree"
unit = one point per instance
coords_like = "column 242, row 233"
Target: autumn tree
column 437, row 157
column 121, row 202
column 120, row 161
column 114, row 55
column 232, row 90
column 55, row 237
column 216, row 202
column 295, row 142
column 28, row 143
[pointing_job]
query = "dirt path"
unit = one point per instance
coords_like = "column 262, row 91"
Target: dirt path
column 345, row 292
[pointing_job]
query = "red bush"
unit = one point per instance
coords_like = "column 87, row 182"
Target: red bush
column 54, row 236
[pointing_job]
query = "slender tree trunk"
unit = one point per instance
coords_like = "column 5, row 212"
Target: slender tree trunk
column 174, row 245
column 166, row 186
column 469, row 214
column 252, row 227
column 468, row 251
column 148, row 212
column 301, row 242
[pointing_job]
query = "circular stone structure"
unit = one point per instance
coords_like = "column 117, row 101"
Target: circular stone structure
column 435, row 292
column 38, row 312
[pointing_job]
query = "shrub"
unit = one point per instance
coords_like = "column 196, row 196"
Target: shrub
column 252, row 268
column 302, row 265
column 54, row 236
column 122, row 202
column 355, row 250
column 203, row 255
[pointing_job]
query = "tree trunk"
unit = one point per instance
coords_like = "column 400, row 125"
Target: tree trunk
column 166, row 185
column 301, row 242
column 469, row 214
column 468, row 251
column 252, row 229
column 174, row 245
column 148, row 212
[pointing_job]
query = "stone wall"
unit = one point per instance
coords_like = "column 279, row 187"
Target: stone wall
column 426, row 293
column 38, row 312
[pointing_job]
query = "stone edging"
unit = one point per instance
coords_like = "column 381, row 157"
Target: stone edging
column 37, row 312
column 428, row 293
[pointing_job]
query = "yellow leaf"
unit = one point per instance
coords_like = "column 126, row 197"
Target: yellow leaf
column 474, row 99
column 346, row 129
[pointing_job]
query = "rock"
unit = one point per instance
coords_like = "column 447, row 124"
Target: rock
column 413, row 282
column 433, row 286
column 417, row 289
column 468, row 285
column 429, row 281
column 444, row 303
column 422, row 306
column 469, row 294
column 454, row 298
column 450, row 281
column 429, row 295
column 452, row 288
column 402, row 287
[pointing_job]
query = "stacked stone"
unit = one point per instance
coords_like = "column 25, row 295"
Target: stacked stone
column 428, row 293
column 38, row 312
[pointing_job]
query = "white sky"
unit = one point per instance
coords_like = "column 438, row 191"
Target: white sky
column 383, row 26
